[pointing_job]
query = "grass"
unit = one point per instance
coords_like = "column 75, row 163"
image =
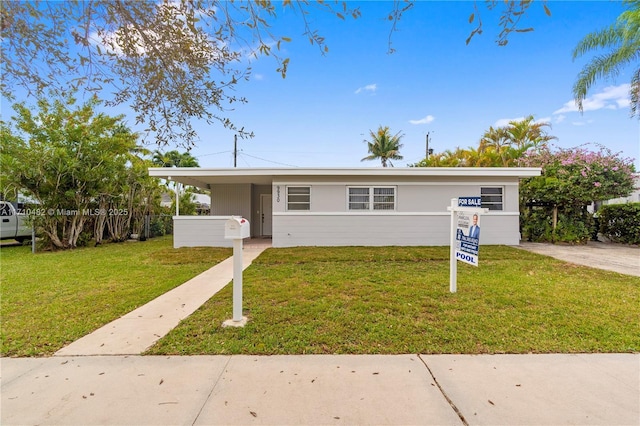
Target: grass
column 393, row 300
column 53, row 298
column 352, row 300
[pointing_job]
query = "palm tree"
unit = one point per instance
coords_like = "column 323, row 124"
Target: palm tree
column 481, row 158
column 623, row 38
column 526, row 134
column 448, row 158
column 512, row 141
column 384, row 146
column 495, row 141
column 174, row 159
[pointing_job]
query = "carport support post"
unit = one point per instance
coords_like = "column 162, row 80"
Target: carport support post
column 237, row 280
column 177, row 199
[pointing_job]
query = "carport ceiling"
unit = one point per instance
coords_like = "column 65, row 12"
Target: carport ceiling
column 203, row 178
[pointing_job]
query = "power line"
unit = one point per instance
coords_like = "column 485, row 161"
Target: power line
column 268, row 161
column 214, row 153
column 245, row 161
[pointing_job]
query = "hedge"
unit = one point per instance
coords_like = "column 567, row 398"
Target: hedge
column 620, row 222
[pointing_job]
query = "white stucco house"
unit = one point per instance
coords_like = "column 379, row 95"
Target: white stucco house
column 348, row 206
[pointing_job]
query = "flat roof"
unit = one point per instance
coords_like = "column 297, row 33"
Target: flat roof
column 203, row 177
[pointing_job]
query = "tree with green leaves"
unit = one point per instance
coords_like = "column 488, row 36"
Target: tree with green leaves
column 622, row 42
column 174, row 159
column 384, row 146
column 76, row 164
column 513, row 140
column 496, row 141
column 448, row 158
column 171, row 62
column 498, row 147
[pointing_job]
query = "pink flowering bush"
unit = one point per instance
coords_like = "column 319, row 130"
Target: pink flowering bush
column 577, row 176
column 554, row 204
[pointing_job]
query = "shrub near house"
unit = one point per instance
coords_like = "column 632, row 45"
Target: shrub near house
column 620, row 222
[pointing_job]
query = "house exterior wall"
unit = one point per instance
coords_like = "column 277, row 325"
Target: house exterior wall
column 200, row 231
column 420, row 216
column 231, row 200
column 239, row 200
column 335, row 229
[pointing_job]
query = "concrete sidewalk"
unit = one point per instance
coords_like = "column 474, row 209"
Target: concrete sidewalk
column 594, row 389
column 140, row 329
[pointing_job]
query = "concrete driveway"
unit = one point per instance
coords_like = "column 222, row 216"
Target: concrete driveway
column 608, row 256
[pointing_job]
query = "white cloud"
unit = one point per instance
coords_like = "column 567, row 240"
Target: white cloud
column 624, row 102
column 611, row 97
column 426, row 120
column 503, row 122
column 368, row 88
column 560, row 118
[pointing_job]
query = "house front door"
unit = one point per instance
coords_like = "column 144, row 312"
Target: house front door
column 266, row 215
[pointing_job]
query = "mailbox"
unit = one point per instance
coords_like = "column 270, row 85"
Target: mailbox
column 237, row 228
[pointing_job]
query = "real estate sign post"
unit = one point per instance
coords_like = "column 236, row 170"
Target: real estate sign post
column 465, row 234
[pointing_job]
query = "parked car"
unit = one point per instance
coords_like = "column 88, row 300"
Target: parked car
column 13, row 224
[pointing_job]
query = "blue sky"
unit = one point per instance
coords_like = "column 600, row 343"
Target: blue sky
column 322, row 111
column 320, row 114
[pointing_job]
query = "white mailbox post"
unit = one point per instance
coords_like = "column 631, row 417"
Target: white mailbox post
column 236, row 229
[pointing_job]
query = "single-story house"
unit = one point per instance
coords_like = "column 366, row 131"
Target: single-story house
column 348, row 206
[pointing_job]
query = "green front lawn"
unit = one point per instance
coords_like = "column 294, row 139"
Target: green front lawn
column 392, row 300
column 53, row 298
column 325, row 300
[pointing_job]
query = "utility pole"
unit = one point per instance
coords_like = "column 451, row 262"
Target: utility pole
column 235, row 150
column 429, row 151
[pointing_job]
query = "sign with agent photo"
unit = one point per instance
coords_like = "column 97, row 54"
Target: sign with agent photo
column 467, row 237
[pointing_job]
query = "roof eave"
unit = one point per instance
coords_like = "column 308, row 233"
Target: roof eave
column 520, row 172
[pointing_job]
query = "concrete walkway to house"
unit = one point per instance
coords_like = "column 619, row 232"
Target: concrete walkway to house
column 608, row 256
column 138, row 330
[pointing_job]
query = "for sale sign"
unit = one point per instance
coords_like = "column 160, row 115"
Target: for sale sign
column 465, row 234
column 470, row 202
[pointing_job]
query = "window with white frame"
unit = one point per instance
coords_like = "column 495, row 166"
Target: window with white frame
column 298, row 198
column 371, row 198
column 492, row 198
